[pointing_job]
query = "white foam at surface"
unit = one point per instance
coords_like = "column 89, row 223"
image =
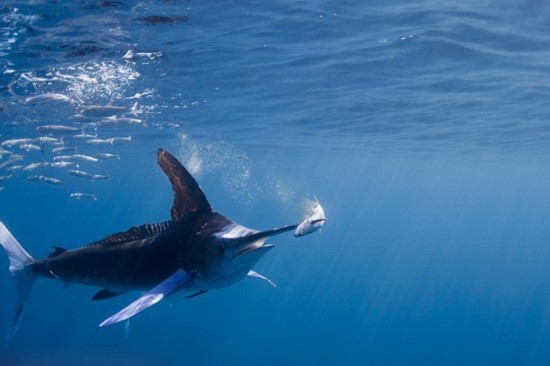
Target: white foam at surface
column 94, row 80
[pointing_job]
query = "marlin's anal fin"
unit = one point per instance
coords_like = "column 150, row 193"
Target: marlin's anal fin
column 257, row 275
column 170, row 285
column 105, row 294
column 188, row 196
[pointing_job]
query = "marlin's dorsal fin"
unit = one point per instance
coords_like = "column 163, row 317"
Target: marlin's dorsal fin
column 188, row 196
column 134, row 233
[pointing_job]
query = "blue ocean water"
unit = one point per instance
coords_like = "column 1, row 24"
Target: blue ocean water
column 422, row 127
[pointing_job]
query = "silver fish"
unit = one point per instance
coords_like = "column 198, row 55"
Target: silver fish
column 53, row 181
column 15, row 167
column 107, row 156
column 84, row 136
column 30, row 147
column 313, row 222
column 62, row 157
column 34, row 166
column 46, row 98
column 57, row 129
column 119, row 139
column 99, row 177
column 64, row 149
column 75, row 157
column 99, row 141
column 63, row 164
column 43, row 178
column 79, row 173
column 84, row 158
column 114, row 120
column 5, row 177
column 15, row 142
column 81, row 117
column 12, row 159
column 105, row 110
column 46, row 140
column 80, row 196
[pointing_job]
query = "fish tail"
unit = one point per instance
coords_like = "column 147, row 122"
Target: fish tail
column 20, row 270
column 134, row 109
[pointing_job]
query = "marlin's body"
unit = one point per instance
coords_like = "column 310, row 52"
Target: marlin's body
column 195, row 244
column 196, row 251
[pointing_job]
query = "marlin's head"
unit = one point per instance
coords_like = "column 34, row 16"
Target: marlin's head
column 243, row 248
column 226, row 251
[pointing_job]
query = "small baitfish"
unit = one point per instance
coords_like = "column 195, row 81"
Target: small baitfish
column 12, row 159
column 14, row 142
column 53, row 181
column 81, row 196
column 30, row 147
column 100, row 141
column 14, row 168
column 34, row 166
column 107, row 156
column 120, row 139
column 85, row 158
column 109, row 141
column 64, row 149
column 46, row 98
column 100, row 177
column 63, row 164
column 105, row 110
column 57, row 129
column 76, row 157
column 46, row 140
column 115, row 121
column 43, row 178
column 79, row 173
column 313, row 222
column 84, row 135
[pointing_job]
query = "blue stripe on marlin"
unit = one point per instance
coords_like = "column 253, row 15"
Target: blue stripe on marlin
column 196, row 251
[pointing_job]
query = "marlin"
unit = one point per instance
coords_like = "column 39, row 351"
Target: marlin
column 196, row 251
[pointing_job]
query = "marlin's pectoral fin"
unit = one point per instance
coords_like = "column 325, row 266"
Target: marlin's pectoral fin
column 257, row 275
column 165, row 288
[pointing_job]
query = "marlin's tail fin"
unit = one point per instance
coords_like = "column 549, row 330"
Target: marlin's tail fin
column 19, row 262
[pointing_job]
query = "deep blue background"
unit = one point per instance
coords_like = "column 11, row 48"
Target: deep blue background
column 422, row 128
